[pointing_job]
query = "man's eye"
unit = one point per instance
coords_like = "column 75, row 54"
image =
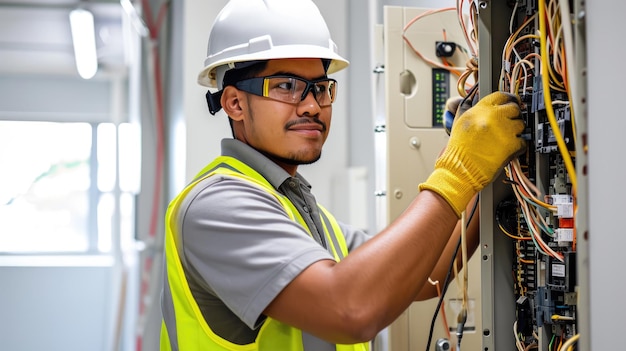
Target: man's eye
column 320, row 89
column 285, row 85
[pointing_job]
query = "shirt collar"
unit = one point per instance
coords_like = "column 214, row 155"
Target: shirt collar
column 272, row 172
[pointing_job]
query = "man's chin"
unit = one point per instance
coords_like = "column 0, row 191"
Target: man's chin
column 301, row 161
column 295, row 160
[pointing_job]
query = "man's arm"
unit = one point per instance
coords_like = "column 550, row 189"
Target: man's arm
column 443, row 265
column 351, row 301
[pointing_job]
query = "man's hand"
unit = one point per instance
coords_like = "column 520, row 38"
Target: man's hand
column 482, row 140
column 453, row 111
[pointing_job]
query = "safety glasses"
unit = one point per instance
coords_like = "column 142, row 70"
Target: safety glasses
column 290, row 89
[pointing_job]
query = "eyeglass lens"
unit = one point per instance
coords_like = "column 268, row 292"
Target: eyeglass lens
column 294, row 89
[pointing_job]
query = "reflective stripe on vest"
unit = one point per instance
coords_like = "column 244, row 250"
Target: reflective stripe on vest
column 183, row 327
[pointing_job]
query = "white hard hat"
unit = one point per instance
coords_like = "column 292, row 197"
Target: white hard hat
column 253, row 30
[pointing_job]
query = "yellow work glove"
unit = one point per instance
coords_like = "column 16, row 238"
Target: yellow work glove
column 483, row 139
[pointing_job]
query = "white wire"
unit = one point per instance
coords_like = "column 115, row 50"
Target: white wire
column 568, row 37
column 512, row 17
column 518, row 343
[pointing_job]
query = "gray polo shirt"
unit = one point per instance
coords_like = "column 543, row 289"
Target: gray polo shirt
column 240, row 247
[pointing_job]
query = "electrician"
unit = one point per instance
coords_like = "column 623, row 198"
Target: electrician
column 252, row 261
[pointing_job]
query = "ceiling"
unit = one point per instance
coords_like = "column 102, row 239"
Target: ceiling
column 35, row 36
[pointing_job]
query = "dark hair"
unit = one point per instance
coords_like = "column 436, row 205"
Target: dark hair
column 232, row 76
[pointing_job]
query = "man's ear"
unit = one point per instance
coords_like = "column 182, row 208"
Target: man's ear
column 231, row 99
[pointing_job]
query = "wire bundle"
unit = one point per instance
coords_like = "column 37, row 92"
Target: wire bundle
column 527, row 195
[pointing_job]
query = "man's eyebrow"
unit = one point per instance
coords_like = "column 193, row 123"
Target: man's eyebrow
column 287, row 73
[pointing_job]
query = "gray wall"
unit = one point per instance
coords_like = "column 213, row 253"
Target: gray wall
column 606, row 172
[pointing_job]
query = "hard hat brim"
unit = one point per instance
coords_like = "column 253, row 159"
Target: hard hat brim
column 207, row 76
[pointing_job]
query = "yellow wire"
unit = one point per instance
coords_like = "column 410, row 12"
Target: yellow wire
column 511, row 235
column 570, row 342
column 569, row 165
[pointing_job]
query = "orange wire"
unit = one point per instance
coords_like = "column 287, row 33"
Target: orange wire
column 415, row 19
column 443, row 308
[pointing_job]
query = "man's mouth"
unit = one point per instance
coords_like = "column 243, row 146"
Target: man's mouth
column 306, row 124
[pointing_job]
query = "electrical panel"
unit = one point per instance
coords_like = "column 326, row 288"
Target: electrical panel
column 415, row 134
column 528, row 232
column 524, row 281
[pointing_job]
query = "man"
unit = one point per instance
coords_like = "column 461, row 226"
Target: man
column 253, row 262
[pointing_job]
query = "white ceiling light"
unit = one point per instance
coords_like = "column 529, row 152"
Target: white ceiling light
column 135, row 18
column 84, row 38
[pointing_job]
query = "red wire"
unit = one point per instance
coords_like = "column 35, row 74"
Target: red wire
column 159, row 143
column 162, row 13
column 153, row 29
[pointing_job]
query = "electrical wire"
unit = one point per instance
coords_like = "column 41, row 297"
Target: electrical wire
column 508, row 49
column 444, row 318
column 462, row 317
column 527, row 193
column 551, row 342
column 558, row 317
column 542, row 247
column 528, row 189
column 471, row 41
column 518, row 342
column 452, row 69
column 569, row 343
column 569, row 165
column 448, row 279
column 471, row 67
column 531, row 346
column 512, row 236
column 470, row 71
column 569, row 59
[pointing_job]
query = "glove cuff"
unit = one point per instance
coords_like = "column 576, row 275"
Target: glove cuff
column 451, row 187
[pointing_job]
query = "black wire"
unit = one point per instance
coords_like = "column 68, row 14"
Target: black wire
column 448, row 280
column 470, row 95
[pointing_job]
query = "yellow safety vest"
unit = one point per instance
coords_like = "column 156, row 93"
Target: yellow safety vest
column 192, row 331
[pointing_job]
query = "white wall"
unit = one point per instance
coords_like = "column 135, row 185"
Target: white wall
column 62, row 303
column 56, row 302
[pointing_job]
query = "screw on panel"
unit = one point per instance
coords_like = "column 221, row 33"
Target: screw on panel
column 415, row 142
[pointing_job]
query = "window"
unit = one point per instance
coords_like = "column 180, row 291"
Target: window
column 60, row 190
